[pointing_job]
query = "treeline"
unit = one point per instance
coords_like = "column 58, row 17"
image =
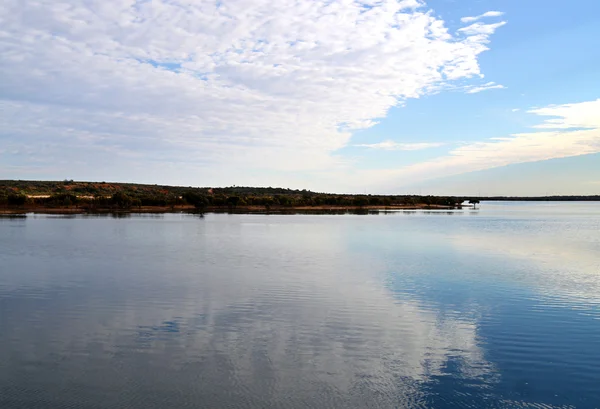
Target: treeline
column 88, row 189
column 102, row 195
column 205, row 201
column 90, row 195
column 118, row 200
column 593, row 198
column 311, row 199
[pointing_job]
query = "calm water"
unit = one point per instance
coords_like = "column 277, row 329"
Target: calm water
column 496, row 308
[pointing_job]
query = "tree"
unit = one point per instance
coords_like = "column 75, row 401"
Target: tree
column 198, row 200
column 360, row 201
column 16, row 200
column 122, row 200
column 474, row 202
column 233, row 201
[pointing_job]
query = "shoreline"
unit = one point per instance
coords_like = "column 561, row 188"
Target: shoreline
column 216, row 209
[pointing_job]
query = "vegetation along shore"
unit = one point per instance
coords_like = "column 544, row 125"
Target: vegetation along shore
column 17, row 196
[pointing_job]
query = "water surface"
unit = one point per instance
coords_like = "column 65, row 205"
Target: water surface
column 495, row 308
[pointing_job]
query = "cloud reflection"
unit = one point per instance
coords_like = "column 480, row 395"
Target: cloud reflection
column 303, row 323
column 562, row 258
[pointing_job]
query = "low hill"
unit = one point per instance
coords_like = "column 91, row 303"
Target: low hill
column 96, row 195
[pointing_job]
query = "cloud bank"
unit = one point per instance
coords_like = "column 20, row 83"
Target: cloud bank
column 212, row 88
column 567, row 130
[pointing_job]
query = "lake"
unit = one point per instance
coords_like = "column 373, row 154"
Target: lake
column 491, row 308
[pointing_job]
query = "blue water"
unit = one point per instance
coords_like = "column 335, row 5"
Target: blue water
column 493, row 308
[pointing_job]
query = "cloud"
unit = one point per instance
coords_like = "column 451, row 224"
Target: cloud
column 479, row 17
column 209, row 89
column 481, row 29
column 574, row 129
column 569, row 116
column 568, row 130
column 396, row 146
column 485, row 87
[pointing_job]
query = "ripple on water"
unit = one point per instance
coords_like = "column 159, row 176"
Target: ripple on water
column 298, row 312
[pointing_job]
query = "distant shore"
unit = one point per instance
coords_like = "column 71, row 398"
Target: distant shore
column 81, row 197
column 217, row 209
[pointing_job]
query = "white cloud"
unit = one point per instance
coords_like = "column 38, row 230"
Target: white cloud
column 580, row 115
column 484, row 87
column 396, row 146
column 557, row 142
column 256, row 85
column 568, row 130
column 481, row 28
column 484, row 15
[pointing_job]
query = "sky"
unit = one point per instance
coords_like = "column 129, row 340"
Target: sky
column 463, row 97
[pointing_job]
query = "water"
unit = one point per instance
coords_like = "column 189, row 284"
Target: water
column 496, row 308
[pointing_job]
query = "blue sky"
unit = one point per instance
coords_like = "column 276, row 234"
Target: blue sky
column 446, row 97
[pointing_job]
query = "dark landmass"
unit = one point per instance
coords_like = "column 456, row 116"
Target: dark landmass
column 17, row 196
column 591, row 198
column 68, row 196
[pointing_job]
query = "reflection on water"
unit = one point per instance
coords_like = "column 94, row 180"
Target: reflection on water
column 12, row 216
column 495, row 308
